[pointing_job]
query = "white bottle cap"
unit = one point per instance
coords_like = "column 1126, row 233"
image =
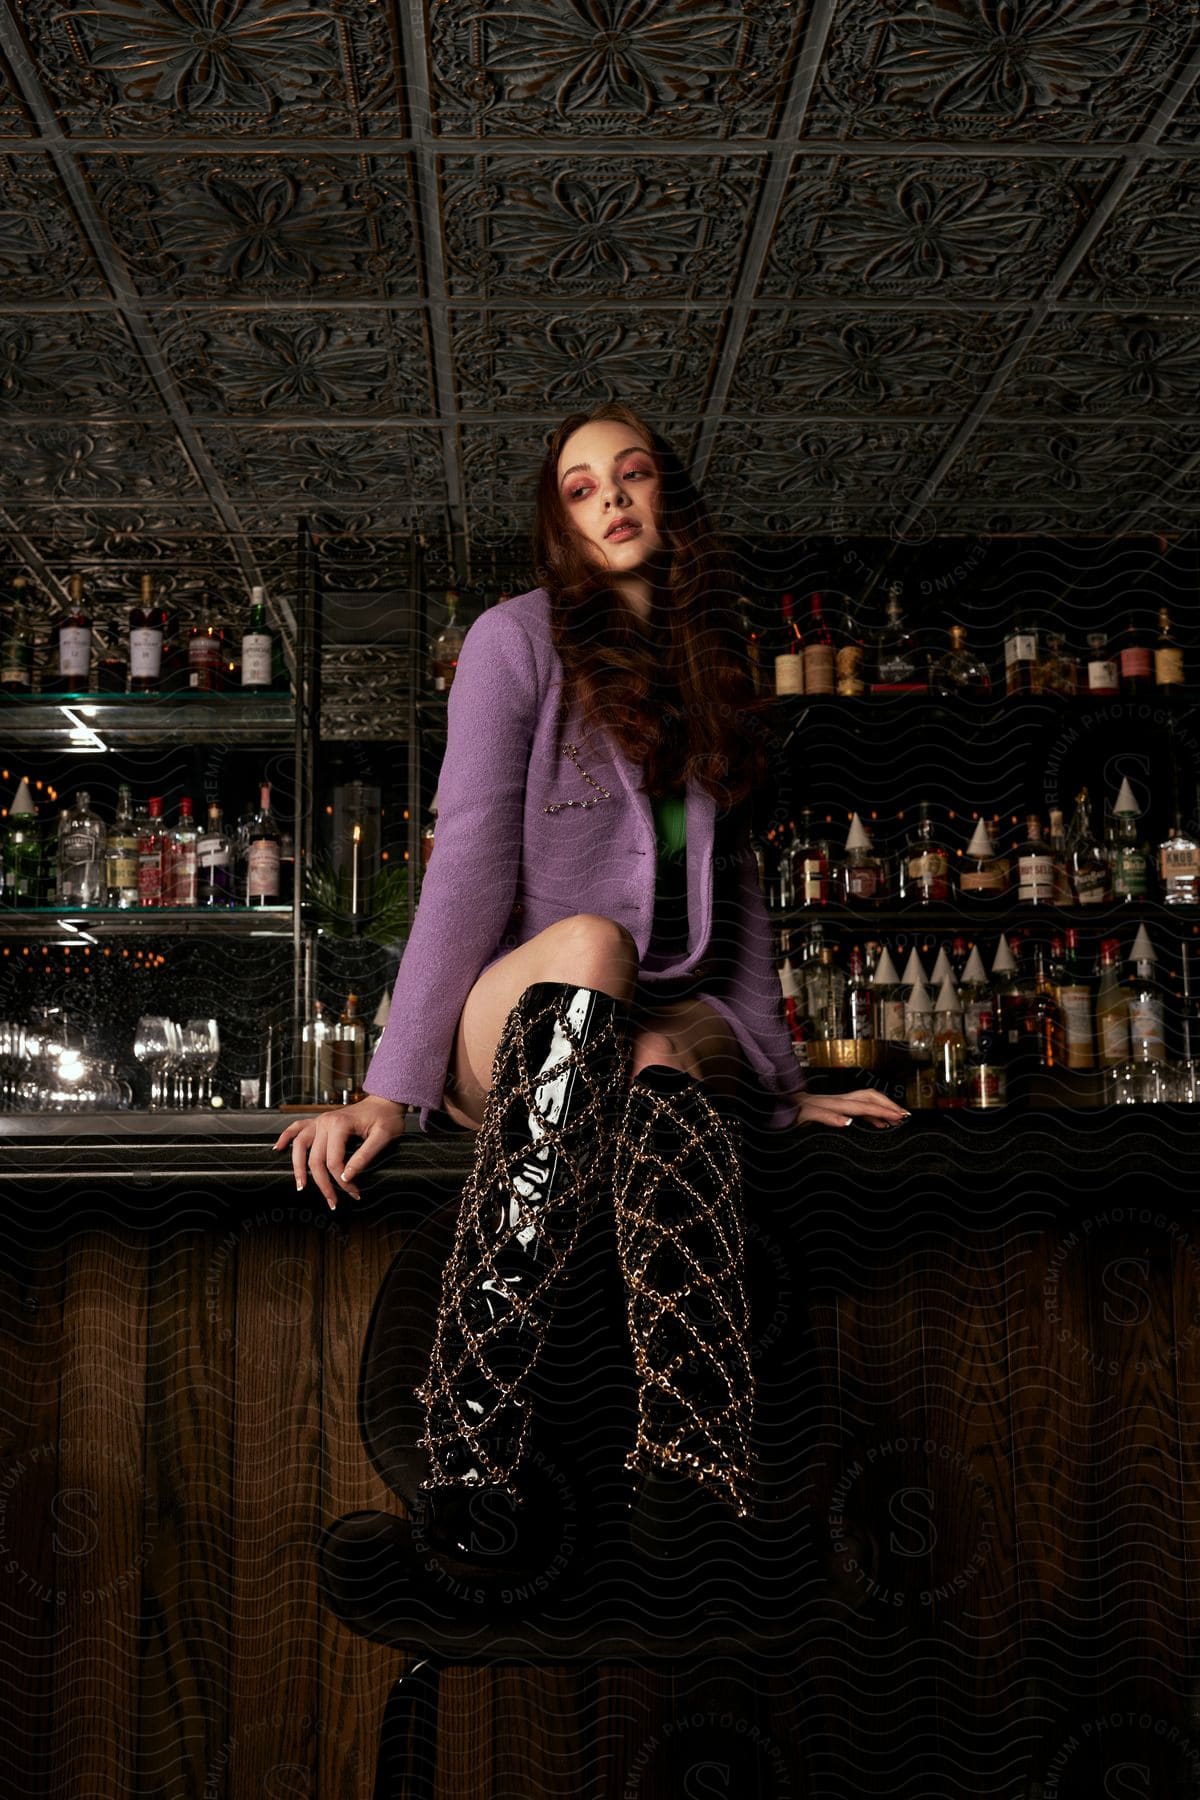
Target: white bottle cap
column 787, row 980
column 1143, row 950
column 981, row 841
column 858, row 837
column 22, row 805
column 948, row 1000
column 885, row 971
column 1125, row 802
column 975, row 970
column 914, row 970
column 943, row 968
column 1004, row 962
column 258, row 596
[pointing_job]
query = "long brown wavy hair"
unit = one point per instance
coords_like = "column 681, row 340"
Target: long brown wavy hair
column 675, row 694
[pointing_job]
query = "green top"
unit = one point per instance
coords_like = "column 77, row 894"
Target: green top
column 670, row 826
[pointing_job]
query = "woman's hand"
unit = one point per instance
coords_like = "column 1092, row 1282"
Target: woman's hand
column 843, row 1109
column 322, row 1139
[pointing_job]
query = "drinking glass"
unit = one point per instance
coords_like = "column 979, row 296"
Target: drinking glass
column 12, row 1062
column 205, row 1039
column 152, row 1046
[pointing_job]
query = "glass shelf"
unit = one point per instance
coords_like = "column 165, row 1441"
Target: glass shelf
column 983, row 920
column 98, row 722
column 83, row 924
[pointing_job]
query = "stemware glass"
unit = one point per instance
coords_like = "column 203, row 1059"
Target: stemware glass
column 152, row 1046
column 207, row 1038
column 12, row 1062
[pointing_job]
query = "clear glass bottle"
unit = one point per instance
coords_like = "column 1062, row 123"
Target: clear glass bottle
column 121, row 854
column 205, row 654
column 181, row 861
column 1091, row 874
column 888, row 998
column 1035, row 866
column 1045, row 1019
column 1020, row 658
column 811, row 883
column 860, row 1012
column 446, row 647
column 1168, row 657
column 818, row 650
column 258, row 646
column 263, row 853
column 1103, row 674
column 214, row 863
column 16, row 649
column 789, row 664
column 81, row 848
column 1144, row 1004
column 864, row 873
column 146, row 625
column 316, row 1059
column 1112, row 1009
column 150, row 854
column 1058, row 672
column 958, row 673
column 925, row 863
column 1064, row 893
column 896, row 656
column 1076, row 1002
column 949, row 1051
column 75, row 642
column 1179, row 865
column 987, row 1078
column 825, row 989
column 1129, row 857
column 349, row 1060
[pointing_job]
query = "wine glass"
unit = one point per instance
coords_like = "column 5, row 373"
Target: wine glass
column 152, row 1046
column 12, row 1060
column 205, row 1039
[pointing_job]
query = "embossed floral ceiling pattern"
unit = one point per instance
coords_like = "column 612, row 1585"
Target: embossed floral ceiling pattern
column 875, row 265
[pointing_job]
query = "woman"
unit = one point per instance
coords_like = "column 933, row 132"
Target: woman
column 588, row 984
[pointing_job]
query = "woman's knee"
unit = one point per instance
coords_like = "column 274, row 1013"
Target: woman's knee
column 589, row 947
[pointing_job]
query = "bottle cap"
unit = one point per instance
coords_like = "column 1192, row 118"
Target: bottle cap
column 1143, row 950
column 858, row 837
column 885, row 971
column 1125, row 802
column 981, row 841
column 1004, row 962
column 914, row 970
column 975, row 970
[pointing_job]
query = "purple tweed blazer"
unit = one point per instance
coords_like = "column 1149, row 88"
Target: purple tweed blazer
column 511, row 856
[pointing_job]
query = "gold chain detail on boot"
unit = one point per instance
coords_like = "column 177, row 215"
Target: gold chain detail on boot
column 584, row 1148
column 712, row 1213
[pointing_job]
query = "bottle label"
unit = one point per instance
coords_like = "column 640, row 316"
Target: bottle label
column 145, row 653
column 149, row 879
column 213, row 853
column 1180, row 865
column 1146, row 1026
column 818, row 668
column 122, row 866
column 262, row 869
column 75, row 651
column 814, row 882
column 1114, row 1034
column 1102, row 678
column 1136, row 663
column 1035, row 878
column 848, row 663
column 987, row 1086
column 862, row 881
column 1090, row 882
column 77, row 847
column 256, row 659
column 789, row 674
column 1021, row 647
column 988, row 878
column 891, row 1020
column 16, row 662
column 1130, row 872
column 1076, row 1006
column 1168, row 667
column 183, row 875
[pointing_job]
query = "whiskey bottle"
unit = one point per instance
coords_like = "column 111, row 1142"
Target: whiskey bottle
column 1057, row 673
column 1112, row 1009
column 1020, row 658
column 850, row 663
column 1128, row 856
column 1045, row 1020
column 959, row 673
column 975, row 992
column 896, row 657
column 258, row 645
column 121, row 854
column 316, row 1059
column 818, row 651
column 1064, row 893
column 810, row 864
column 1035, row 867
column 1103, row 674
column 1076, row 1004
column 1168, row 657
column 1087, row 858
column 1179, row 865
column 987, row 1078
column 146, row 642
column 789, row 664
column 825, row 991
column 214, row 863
column 925, row 863
column 75, row 643
column 446, row 647
column 16, row 650
column 864, row 874
column 205, row 654
column 81, row 846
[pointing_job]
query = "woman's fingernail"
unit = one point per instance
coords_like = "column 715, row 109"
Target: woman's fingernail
column 847, row 1121
column 300, row 1185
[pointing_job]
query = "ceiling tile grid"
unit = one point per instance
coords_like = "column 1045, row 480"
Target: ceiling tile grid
column 875, row 265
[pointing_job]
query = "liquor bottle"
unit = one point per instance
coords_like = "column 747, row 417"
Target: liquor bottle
column 1064, row 893
column 860, row 1014
column 121, row 854
column 150, row 854
column 1076, row 1004
column 1144, row 1002
column 789, row 664
column 1179, row 865
column 175, row 671
column 1020, row 658
column 810, row 864
column 1168, row 657
column 1112, row 1009
column 987, row 1078
column 257, row 644
column 918, row 1021
column 825, row 992
column 205, row 654
column 1091, row 875
column 287, row 867
column 949, row 1050
column 818, row 651
column 446, row 647
column 349, row 1059
column 1135, row 661
column 925, row 863
column 81, row 847
column 913, row 976
column 896, row 657
column 75, row 643
column 850, row 663
column 975, row 992
column 1058, row 672
column 1128, row 857
column 864, row 875
column 146, row 626
column 180, row 860
column 1103, row 673
column 214, row 863
column 1045, row 1020
column 888, row 1000
column 316, row 1059
column 752, row 642
column 112, row 666
column 22, row 850
column 1008, row 996
column 1035, row 866
column 16, row 652
column 262, row 854
column 958, row 673
column 985, row 874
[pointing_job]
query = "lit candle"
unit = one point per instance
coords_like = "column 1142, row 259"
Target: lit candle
column 354, row 872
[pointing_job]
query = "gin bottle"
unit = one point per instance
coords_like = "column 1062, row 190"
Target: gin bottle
column 81, row 848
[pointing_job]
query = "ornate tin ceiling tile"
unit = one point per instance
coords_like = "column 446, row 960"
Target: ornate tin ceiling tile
column 1092, row 365
column 309, row 227
column 871, row 364
column 1150, row 248
column 15, row 120
column 510, row 361
column 43, row 253
column 64, row 363
column 310, row 363
column 306, row 468
column 78, row 463
column 905, row 69
column 1077, row 469
column 363, row 692
column 126, row 532
column 629, row 227
column 603, row 68
column 951, row 228
column 777, row 478
column 135, row 68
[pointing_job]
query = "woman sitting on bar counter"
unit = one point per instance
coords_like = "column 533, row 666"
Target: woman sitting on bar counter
column 591, row 932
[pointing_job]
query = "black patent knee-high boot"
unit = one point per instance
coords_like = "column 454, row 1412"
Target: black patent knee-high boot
column 543, row 1155
column 677, row 1193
